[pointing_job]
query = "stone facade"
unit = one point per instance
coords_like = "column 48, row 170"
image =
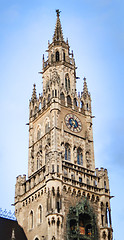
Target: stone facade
column 64, row 197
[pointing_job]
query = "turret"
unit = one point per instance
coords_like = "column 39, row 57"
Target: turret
column 85, row 99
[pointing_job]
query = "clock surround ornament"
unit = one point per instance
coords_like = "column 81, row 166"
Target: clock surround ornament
column 73, row 122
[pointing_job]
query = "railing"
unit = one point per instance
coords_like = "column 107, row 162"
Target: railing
column 7, row 215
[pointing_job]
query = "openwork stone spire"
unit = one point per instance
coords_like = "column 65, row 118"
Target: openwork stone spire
column 58, row 35
column 34, row 96
column 85, row 88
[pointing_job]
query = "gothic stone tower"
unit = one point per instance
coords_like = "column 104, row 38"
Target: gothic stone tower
column 64, row 197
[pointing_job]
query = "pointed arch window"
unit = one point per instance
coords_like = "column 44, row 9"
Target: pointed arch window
column 40, row 212
column 31, row 220
column 79, row 156
column 69, row 102
column 75, row 102
column 63, row 56
column 67, row 152
column 57, row 56
column 62, row 98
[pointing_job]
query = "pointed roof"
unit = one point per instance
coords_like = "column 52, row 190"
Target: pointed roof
column 34, row 96
column 58, row 35
column 85, row 88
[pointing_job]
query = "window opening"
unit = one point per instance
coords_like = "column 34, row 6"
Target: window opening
column 52, row 168
column 55, row 93
column 58, row 207
column 57, row 168
column 52, row 93
column 80, row 179
column 64, row 56
column 57, row 56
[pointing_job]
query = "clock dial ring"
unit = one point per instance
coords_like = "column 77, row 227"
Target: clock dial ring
column 73, row 122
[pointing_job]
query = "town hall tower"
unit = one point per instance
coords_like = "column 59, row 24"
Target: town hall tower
column 64, row 197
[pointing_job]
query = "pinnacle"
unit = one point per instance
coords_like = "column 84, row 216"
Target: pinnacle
column 58, row 35
column 85, row 88
column 34, row 96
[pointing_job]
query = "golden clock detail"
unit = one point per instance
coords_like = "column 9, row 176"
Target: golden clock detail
column 73, row 123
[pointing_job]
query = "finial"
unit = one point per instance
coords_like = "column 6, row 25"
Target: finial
column 85, row 88
column 67, row 41
column 58, row 12
column 34, row 96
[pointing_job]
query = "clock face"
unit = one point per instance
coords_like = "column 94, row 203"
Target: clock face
column 73, row 123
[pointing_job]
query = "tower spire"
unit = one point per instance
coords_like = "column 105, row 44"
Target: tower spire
column 34, row 96
column 58, row 35
column 85, row 88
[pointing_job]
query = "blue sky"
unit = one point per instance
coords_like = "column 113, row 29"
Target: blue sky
column 95, row 29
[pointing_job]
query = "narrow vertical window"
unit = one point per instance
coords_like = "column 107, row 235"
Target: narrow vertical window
column 31, row 220
column 57, row 168
column 40, row 214
column 55, row 93
column 52, row 168
column 81, row 159
column 66, row 83
column 87, row 107
column 52, row 93
column 57, row 56
column 64, row 56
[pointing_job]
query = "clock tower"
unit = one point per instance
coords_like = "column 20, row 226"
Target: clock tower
column 64, row 196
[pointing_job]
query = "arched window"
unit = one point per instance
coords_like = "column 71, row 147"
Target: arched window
column 62, row 98
column 69, row 101
column 57, row 56
column 31, row 220
column 67, row 152
column 87, row 107
column 79, row 156
column 63, row 56
column 75, row 102
column 40, row 214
